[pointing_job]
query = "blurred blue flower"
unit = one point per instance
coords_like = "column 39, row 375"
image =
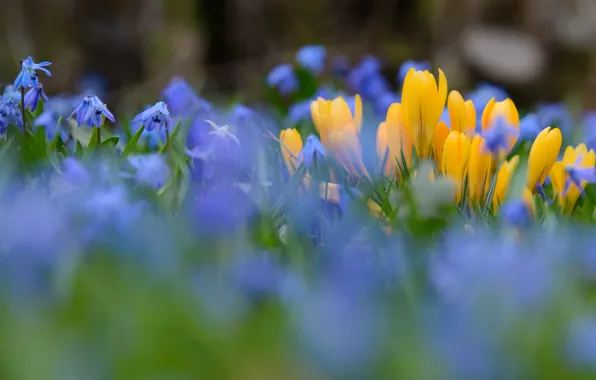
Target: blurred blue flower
column 49, row 120
column 407, row 65
column 555, row 115
column 91, row 112
column 283, row 78
column 497, row 137
column 27, row 77
column 516, row 213
column 342, row 334
column 257, row 276
column 589, row 129
column 32, row 97
column 181, row 98
column 577, row 174
column 10, row 92
column 151, row 169
column 312, row 152
column 155, row 117
column 383, row 102
column 529, row 127
column 10, row 113
column 74, row 172
column 300, row 112
column 581, row 342
column 445, row 117
column 312, row 58
column 483, row 94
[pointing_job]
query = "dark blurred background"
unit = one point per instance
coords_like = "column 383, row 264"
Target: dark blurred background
column 537, row 49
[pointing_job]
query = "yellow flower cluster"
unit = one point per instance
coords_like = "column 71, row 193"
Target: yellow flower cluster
column 462, row 152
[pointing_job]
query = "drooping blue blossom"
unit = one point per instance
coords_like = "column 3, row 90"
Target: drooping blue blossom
column 407, row 65
column 181, row 98
column 32, row 97
column 312, row 58
column 367, row 80
column 529, row 127
column 312, row 152
column 151, row 169
column 91, row 112
column 498, row 137
column 27, row 77
column 10, row 113
column 156, row 117
column 555, row 115
column 283, row 78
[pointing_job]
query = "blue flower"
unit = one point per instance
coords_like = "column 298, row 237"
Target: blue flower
column 257, row 277
column 10, row 92
column 300, row 112
column 445, row 117
column 312, row 58
column 407, row 65
column 497, row 137
column 49, row 119
column 91, row 112
column 312, row 151
column 529, row 127
column 384, row 100
column 32, row 97
column 181, row 97
column 589, row 129
column 10, row 113
column 483, row 94
column 555, row 115
column 27, row 76
column 577, row 174
column 155, row 117
column 283, row 78
column 151, row 169
column 516, row 213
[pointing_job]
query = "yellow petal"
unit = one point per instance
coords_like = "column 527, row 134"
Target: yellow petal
column 357, row 113
column 383, row 153
column 457, row 111
column 291, row 146
column 486, row 114
column 456, row 153
column 470, row 127
column 439, row 142
column 479, row 169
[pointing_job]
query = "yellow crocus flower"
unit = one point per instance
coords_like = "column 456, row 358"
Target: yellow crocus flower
column 393, row 135
column 439, row 142
column 462, row 115
column 543, row 154
column 579, row 156
column 503, row 179
column 291, row 146
column 339, row 130
column 505, row 110
column 423, row 103
column 456, row 155
column 479, row 169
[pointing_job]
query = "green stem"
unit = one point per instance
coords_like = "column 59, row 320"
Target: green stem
column 98, row 137
column 173, row 166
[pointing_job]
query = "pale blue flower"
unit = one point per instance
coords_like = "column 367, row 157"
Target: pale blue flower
column 151, row 169
column 283, row 78
column 27, row 76
column 10, row 113
column 10, row 92
column 312, row 58
column 498, row 137
column 155, row 117
column 312, row 151
column 181, row 98
column 529, row 127
column 91, row 112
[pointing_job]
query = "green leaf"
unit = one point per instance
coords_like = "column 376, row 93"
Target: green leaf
column 172, row 137
column 110, row 141
column 93, row 140
column 132, row 143
column 57, row 141
column 79, row 150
